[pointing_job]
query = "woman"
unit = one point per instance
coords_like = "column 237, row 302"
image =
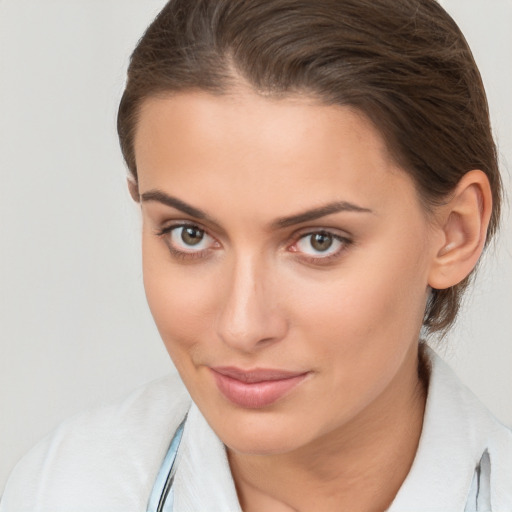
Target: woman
column 317, row 181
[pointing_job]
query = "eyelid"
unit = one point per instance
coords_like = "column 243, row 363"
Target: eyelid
column 335, row 232
column 163, row 215
column 168, row 226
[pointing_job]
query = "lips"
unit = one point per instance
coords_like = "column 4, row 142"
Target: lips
column 255, row 389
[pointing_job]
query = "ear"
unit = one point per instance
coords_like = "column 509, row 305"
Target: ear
column 133, row 188
column 463, row 223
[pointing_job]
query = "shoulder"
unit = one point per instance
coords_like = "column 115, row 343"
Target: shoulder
column 104, row 459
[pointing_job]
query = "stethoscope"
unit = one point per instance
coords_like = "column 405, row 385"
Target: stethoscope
column 162, row 495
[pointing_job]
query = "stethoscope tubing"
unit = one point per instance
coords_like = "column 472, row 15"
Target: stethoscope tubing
column 164, row 493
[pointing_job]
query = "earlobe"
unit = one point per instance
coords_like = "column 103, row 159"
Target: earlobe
column 463, row 222
column 133, row 188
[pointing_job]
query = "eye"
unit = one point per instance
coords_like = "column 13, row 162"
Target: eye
column 187, row 240
column 320, row 245
column 188, row 237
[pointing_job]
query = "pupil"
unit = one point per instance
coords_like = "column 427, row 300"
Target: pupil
column 321, row 241
column 191, row 236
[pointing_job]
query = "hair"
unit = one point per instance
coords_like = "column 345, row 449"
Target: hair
column 403, row 63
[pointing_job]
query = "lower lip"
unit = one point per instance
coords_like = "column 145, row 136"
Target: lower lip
column 255, row 395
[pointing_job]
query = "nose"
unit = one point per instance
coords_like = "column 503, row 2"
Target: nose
column 250, row 316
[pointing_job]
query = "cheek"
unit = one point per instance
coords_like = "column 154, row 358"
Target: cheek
column 363, row 321
column 180, row 299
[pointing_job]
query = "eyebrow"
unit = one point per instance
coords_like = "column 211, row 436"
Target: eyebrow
column 174, row 202
column 317, row 213
column 282, row 222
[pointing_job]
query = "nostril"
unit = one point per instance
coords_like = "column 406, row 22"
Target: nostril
column 257, row 331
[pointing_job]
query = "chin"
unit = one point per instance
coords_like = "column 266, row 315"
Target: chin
column 262, row 435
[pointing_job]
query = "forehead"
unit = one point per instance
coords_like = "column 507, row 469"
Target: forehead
column 244, row 144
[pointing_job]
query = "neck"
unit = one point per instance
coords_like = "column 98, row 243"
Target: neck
column 359, row 467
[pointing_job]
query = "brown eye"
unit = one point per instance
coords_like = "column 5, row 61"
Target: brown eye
column 191, row 235
column 321, row 241
column 188, row 239
column 320, row 245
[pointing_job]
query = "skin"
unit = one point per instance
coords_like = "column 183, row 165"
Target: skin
column 255, row 293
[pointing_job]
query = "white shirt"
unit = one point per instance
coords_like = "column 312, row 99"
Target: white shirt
column 107, row 460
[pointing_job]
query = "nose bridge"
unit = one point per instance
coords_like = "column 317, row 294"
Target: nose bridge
column 249, row 315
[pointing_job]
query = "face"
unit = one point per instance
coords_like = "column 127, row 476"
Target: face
column 286, row 262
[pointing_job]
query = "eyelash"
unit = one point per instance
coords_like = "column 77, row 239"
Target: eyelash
column 344, row 241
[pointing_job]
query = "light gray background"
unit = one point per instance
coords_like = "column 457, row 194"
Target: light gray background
column 75, row 328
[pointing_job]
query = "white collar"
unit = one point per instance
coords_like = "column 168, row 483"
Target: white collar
column 454, row 438
column 203, row 480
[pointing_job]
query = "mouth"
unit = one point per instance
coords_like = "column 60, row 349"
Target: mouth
column 255, row 389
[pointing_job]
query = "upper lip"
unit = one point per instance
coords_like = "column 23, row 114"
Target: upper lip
column 257, row 374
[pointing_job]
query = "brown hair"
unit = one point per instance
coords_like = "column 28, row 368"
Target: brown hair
column 403, row 63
